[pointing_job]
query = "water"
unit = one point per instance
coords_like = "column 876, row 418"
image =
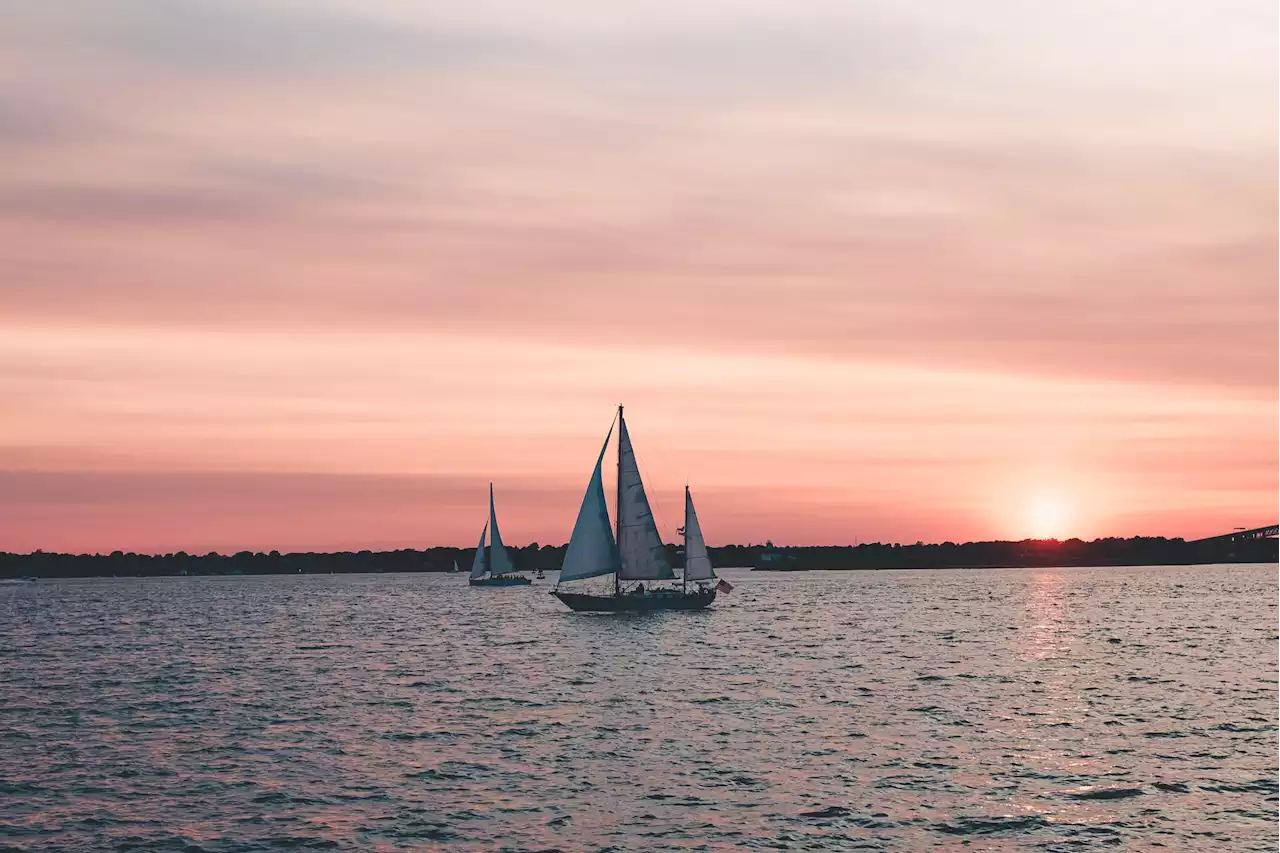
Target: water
column 1071, row 709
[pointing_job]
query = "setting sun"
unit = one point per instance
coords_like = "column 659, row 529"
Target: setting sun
column 1047, row 517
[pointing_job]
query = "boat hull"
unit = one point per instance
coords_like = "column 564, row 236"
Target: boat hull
column 504, row 580
column 584, row 603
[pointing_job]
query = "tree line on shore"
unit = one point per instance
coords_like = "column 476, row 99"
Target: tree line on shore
column 946, row 555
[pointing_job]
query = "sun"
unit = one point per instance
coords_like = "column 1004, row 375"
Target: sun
column 1047, row 516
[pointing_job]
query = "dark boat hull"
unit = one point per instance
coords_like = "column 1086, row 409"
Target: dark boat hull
column 647, row 603
column 505, row 580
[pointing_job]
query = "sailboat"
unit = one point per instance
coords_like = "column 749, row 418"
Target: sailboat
column 497, row 570
column 631, row 554
column 455, row 568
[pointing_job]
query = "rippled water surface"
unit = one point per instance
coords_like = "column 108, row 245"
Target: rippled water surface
column 1068, row 709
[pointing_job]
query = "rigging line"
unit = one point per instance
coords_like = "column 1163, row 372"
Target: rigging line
column 655, row 502
column 609, row 437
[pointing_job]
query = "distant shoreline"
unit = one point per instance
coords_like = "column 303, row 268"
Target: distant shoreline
column 1033, row 553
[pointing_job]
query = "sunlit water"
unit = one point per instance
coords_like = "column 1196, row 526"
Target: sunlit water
column 999, row 709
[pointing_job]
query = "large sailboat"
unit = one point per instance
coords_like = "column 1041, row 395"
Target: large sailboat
column 495, row 568
column 630, row 559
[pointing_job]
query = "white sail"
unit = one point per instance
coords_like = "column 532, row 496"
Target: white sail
column 499, row 562
column 640, row 550
column 591, row 550
column 477, row 565
column 697, row 564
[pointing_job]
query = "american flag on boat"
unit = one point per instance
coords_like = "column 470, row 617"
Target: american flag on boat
column 724, row 586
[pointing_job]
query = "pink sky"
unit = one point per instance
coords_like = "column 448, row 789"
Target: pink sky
column 308, row 275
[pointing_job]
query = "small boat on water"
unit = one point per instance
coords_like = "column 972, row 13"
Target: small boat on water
column 494, row 568
column 455, row 569
column 632, row 554
column 772, row 559
column 539, row 575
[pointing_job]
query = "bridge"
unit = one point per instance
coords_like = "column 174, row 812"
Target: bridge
column 1242, row 535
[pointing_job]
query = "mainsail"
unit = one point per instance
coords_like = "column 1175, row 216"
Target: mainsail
column 591, row 550
column 477, row 565
column 499, row 562
column 697, row 564
column 640, row 548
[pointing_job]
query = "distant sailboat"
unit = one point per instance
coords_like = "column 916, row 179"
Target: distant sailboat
column 634, row 555
column 455, row 568
column 497, row 569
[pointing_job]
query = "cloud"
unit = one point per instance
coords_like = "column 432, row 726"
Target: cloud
column 151, row 206
column 670, row 54
column 1075, row 199
column 198, row 511
column 241, row 40
column 932, row 442
column 27, row 123
column 1060, row 275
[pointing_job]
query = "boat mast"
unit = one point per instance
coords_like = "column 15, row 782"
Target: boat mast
column 617, row 537
column 684, row 572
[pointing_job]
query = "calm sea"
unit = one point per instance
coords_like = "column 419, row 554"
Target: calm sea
column 1068, row 709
